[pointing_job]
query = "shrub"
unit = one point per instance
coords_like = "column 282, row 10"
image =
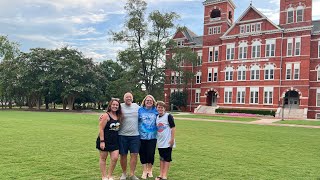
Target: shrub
column 248, row 111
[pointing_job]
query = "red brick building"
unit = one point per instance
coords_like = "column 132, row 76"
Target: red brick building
column 253, row 63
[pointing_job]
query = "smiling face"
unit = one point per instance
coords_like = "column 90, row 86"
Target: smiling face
column 149, row 102
column 160, row 110
column 128, row 98
column 114, row 106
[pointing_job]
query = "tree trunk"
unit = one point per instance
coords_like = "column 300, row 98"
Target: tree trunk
column 39, row 102
column 10, row 104
column 64, row 102
column 71, row 100
column 46, row 102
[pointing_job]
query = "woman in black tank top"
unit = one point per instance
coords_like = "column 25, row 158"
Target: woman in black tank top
column 107, row 141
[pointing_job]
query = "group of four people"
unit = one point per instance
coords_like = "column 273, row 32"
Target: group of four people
column 128, row 127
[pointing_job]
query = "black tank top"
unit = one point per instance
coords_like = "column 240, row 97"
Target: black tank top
column 111, row 131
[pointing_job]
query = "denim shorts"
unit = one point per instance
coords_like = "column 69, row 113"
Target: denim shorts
column 129, row 143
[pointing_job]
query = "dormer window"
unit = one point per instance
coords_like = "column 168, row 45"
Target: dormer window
column 299, row 13
column 290, row 15
column 216, row 13
column 180, row 43
column 249, row 28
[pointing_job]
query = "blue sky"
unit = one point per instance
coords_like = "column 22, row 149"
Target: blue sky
column 85, row 24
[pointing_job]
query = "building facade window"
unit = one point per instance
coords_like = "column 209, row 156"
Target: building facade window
column 216, row 54
column 290, row 15
column 269, row 72
column 289, row 46
column 318, row 74
column 215, row 74
column 180, row 43
column 270, row 47
column 247, row 28
column 297, row 48
column 255, row 72
column 214, row 30
column 296, row 74
column 199, row 59
column 198, row 78
column 318, row 49
column 241, row 94
column 210, row 54
column 243, row 48
column 241, row 73
column 209, row 74
column 230, row 51
column 228, row 95
column 256, row 49
column 229, row 74
column 254, row 95
column 318, row 97
column 299, row 15
column 197, row 96
column 288, row 71
column 268, row 95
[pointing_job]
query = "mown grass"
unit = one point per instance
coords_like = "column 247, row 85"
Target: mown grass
column 246, row 119
column 300, row 122
column 43, row 145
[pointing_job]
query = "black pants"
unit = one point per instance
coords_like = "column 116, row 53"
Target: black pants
column 147, row 151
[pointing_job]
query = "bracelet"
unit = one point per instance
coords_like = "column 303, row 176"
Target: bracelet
column 102, row 141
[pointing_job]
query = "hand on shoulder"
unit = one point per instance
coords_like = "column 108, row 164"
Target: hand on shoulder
column 104, row 117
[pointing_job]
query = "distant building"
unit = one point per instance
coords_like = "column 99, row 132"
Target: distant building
column 254, row 63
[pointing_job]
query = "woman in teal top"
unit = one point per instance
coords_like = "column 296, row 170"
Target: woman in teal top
column 147, row 116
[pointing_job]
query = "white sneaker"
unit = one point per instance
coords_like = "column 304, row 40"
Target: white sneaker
column 123, row 176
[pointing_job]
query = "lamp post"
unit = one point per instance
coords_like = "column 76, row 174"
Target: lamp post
column 165, row 98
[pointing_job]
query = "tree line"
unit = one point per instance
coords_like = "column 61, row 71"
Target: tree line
column 65, row 76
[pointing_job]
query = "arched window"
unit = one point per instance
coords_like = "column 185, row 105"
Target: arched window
column 269, row 72
column 256, row 49
column 290, row 15
column 216, row 13
column 299, row 15
column 242, row 73
column 255, row 72
column 229, row 74
column 243, row 48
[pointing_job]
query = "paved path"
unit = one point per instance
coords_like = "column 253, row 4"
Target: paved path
column 265, row 122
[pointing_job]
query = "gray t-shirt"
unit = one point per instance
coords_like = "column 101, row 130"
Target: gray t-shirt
column 129, row 125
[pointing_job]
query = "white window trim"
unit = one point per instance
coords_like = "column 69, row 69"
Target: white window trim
column 290, row 10
column 318, row 49
column 268, row 89
column 290, row 40
column 242, row 70
column 243, row 50
column 254, row 90
column 289, row 67
column 254, row 54
column 228, row 90
column 254, row 68
column 242, row 98
column 215, row 71
column 197, row 96
column 318, row 92
column 302, row 9
column 230, row 46
column 210, row 72
column 297, row 40
column 318, row 74
column 216, row 49
column 269, row 67
column 296, row 66
column 270, row 42
column 230, row 70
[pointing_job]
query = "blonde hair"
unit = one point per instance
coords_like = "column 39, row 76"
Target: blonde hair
column 150, row 96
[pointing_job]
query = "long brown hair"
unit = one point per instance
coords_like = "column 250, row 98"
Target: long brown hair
column 118, row 112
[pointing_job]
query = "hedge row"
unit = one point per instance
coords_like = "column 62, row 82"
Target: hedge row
column 248, row 111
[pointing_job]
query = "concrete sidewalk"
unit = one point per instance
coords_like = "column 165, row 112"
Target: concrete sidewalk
column 263, row 122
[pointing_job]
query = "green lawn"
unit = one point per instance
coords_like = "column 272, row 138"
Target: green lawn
column 54, row 146
column 300, row 122
column 248, row 119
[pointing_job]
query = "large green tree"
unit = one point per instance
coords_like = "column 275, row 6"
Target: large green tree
column 8, row 49
column 147, row 37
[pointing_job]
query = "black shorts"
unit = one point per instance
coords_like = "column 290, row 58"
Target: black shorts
column 165, row 154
